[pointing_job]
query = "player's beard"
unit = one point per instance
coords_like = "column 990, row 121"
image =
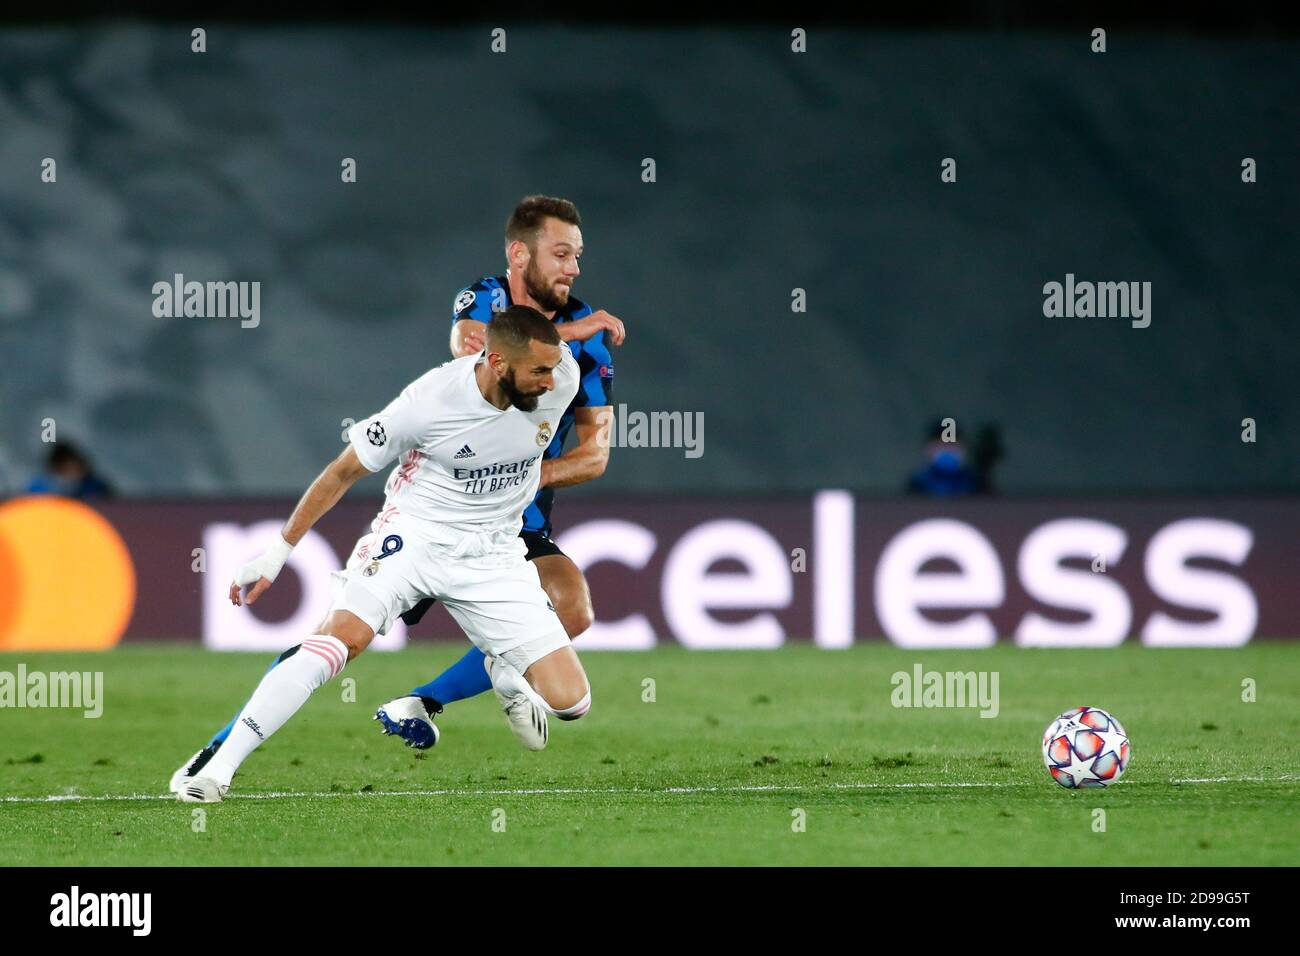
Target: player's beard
column 543, row 294
column 520, row 400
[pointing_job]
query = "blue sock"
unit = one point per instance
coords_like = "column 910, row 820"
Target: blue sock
column 466, row 678
column 220, row 736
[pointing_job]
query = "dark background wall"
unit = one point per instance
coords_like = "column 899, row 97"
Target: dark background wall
column 775, row 171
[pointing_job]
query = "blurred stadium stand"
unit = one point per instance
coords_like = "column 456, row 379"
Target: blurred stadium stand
column 775, row 171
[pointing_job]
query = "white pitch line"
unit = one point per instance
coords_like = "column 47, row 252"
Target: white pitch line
column 1285, row 776
column 597, row 791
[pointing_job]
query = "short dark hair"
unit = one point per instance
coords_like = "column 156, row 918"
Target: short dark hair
column 510, row 331
column 526, row 222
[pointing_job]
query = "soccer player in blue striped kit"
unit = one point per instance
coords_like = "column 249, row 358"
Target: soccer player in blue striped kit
column 543, row 244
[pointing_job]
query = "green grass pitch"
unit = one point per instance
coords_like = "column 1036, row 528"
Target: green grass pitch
column 711, row 772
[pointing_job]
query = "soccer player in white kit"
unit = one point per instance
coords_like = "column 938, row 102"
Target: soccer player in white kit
column 468, row 437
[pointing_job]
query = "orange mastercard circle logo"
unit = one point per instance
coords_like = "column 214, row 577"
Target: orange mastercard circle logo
column 66, row 578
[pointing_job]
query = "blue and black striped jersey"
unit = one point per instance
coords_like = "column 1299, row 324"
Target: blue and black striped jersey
column 596, row 386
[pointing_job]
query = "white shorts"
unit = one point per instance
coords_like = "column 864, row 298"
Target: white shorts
column 485, row 582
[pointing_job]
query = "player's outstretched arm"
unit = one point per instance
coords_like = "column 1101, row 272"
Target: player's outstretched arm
column 587, row 459
column 467, row 335
column 329, row 486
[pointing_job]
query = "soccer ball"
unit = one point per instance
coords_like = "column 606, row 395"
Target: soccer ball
column 1086, row 747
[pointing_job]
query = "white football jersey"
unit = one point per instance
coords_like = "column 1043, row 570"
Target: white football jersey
column 462, row 463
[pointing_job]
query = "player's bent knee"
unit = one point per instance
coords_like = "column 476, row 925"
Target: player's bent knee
column 567, row 699
column 577, row 618
column 560, row 680
column 355, row 633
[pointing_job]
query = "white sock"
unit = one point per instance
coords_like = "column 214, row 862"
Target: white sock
column 507, row 679
column 511, row 682
column 282, row 691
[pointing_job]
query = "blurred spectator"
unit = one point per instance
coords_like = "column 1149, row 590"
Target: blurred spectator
column 945, row 472
column 985, row 453
column 68, row 473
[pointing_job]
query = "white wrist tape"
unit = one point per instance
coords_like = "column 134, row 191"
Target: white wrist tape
column 267, row 566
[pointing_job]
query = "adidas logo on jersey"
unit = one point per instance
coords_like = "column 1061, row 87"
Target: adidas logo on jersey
column 465, row 452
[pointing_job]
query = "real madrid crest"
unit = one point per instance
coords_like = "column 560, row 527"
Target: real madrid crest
column 371, row 568
column 543, row 434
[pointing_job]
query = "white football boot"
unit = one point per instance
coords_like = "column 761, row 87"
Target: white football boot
column 528, row 719
column 192, row 766
column 407, row 718
column 201, row 790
